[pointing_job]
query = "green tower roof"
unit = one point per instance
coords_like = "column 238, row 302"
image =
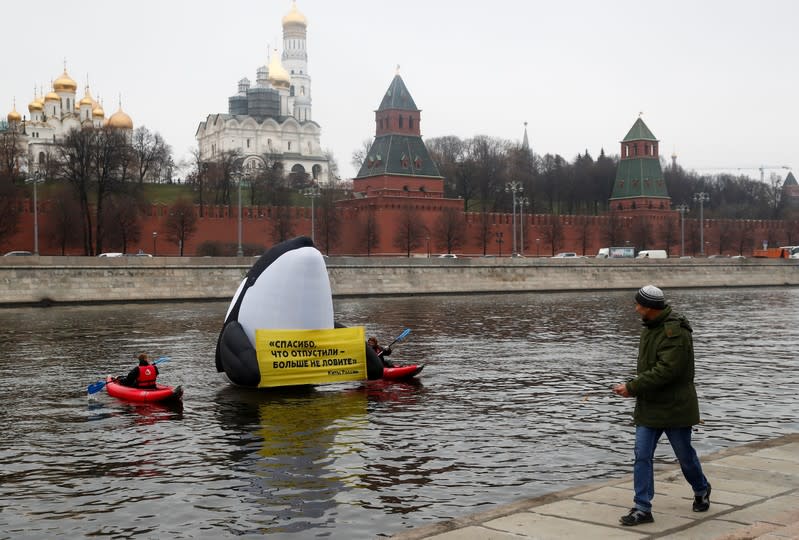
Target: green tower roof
column 397, row 97
column 404, row 155
column 639, row 177
column 639, row 132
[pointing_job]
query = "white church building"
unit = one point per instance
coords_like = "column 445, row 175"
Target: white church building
column 272, row 120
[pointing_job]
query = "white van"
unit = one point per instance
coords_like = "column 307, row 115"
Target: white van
column 652, row 254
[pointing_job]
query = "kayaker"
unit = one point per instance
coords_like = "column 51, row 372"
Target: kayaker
column 380, row 351
column 143, row 375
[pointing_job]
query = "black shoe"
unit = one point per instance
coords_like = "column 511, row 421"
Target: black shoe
column 636, row 517
column 702, row 502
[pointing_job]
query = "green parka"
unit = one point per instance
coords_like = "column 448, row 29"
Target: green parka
column 664, row 385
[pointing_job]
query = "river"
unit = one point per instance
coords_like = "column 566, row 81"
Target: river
column 514, row 402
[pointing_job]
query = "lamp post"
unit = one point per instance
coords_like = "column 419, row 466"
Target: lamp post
column 499, row 242
column 313, row 193
column 682, row 209
column 428, row 246
column 701, row 198
column 35, row 179
column 238, row 176
column 155, row 244
column 513, row 188
column 523, row 201
column 537, row 247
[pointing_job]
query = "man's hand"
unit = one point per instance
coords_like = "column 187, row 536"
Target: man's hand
column 621, row 389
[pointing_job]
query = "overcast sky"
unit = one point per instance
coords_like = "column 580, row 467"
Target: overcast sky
column 717, row 81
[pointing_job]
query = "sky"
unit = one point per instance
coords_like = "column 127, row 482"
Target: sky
column 717, row 82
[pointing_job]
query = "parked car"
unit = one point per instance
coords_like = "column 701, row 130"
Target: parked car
column 447, row 256
column 18, row 254
column 652, row 254
column 565, row 254
column 111, row 254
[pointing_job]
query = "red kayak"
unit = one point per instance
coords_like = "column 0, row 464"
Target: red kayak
column 159, row 393
column 402, row 372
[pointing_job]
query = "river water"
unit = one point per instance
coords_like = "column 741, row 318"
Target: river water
column 514, row 402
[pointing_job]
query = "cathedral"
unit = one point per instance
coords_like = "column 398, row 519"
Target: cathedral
column 55, row 114
column 271, row 121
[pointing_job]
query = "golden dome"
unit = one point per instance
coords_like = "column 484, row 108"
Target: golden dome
column 14, row 116
column 278, row 75
column 294, row 16
column 120, row 119
column 98, row 111
column 36, row 104
column 65, row 83
column 87, row 99
column 52, row 96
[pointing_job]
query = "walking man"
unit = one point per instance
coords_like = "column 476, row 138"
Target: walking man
column 665, row 402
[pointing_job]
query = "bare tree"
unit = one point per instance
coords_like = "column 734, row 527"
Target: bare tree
column 12, row 156
column 360, row 154
column 64, row 212
column 121, row 223
column 151, row 154
column 449, row 229
column 9, row 216
column 282, row 227
column 370, row 230
column 553, row 233
column 329, row 221
column 410, row 231
column 484, row 235
column 181, row 224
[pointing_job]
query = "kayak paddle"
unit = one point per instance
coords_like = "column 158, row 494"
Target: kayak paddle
column 99, row 385
column 400, row 337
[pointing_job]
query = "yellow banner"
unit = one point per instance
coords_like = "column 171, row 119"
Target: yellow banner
column 296, row 357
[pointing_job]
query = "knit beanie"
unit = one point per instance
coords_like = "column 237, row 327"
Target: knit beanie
column 651, row 297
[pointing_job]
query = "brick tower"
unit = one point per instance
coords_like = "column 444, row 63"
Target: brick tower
column 639, row 181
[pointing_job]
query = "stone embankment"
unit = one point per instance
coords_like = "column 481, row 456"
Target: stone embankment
column 51, row 280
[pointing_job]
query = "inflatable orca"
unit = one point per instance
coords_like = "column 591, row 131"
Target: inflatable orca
column 287, row 288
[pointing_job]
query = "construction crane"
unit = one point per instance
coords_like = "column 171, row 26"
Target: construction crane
column 762, row 169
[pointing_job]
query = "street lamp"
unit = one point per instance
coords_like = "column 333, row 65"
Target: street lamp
column 155, row 240
column 428, row 246
column 239, row 176
column 312, row 193
column 701, row 198
column 36, row 178
column 499, row 242
column 537, row 247
column 523, row 201
column 513, row 188
column 682, row 209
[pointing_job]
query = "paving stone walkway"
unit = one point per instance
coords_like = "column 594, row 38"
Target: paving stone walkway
column 755, row 496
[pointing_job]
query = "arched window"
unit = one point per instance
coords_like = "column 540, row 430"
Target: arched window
column 410, row 122
column 400, row 122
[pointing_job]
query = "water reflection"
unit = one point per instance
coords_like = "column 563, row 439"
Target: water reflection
column 514, row 402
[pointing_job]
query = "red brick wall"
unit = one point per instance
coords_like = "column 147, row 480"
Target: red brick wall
column 220, row 225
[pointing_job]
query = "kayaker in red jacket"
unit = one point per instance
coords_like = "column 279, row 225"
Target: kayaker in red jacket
column 380, row 351
column 143, row 375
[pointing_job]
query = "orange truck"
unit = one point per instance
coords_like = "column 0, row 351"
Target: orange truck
column 784, row 252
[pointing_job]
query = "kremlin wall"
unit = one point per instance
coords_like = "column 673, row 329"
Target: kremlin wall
column 397, row 185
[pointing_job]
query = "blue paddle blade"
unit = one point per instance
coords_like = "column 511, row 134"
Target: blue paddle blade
column 96, row 387
column 403, row 334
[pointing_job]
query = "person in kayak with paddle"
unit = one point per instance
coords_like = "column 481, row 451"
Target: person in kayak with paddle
column 143, row 375
column 380, row 351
